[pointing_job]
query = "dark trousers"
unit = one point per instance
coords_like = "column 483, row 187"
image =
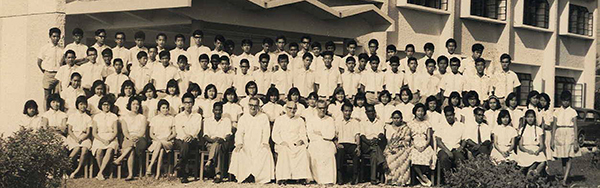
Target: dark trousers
column 377, row 159
column 447, row 163
column 218, row 154
column 184, row 149
column 484, row 148
column 340, row 158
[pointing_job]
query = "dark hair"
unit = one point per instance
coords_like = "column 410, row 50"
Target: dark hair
column 361, row 96
column 509, row 97
column 315, row 45
column 264, row 56
column 412, row 59
column 229, row 43
column 98, row 31
column 272, row 91
column 454, row 94
column 347, row 104
column 478, row 60
column 505, row 56
column 374, row 58
column 477, row 47
column 417, row 106
column 408, row 91
column 478, row 109
column 203, row 56
column 31, row 104
column 182, row 58
column 164, row 53
column 282, row 57
column 188, row 95
column 106, row 99
column 268, row 41
column 313, row 95
column 180, row 36
column 386, row 93
column 437, row 103
column 490, row 100
column 430, row 61
column 141, row 54
column 409, row 46
column 127, row 83
column 428, row 46
column 330, row 43
column 472, row 94
column 73, row 75
column 329, row 53
column 363, row 56
column 247, row 41
column 198, row 32
column 148, row 86
column 208, row 87
column 192, row 87
column 139, row 35
column 373, row 41
column 250, row 83
column 218, row 104
column 533, row 93
column 293, row 44
column 230, row 91
column 565, row 95
column 531, row 111
column 120, row 33
column 350, row 59
column 450, row 40
column 442, row 58
column 134, row 98
column 547, row 98
column 391, row 47
column 98, row 83
column 351, row 42
column 107, row 52
column 118, row 60
column 91, row 49
column 77, row 31
column 70, row 52
column 335, row 92
column 454, row 59
column 502, row 114
column 448, row 109
column 172, row 83
column 397, row 112
column 292, row 91
column 80, row 99
column 161, row 34
column 306, row 37
column 219, row 38
column 307, row 55
column 162, row 102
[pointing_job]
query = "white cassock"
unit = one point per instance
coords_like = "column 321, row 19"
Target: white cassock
column 254, row 158
column 292, row 160
column 321, row 151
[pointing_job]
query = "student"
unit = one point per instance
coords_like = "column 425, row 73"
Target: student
column 210, row 97
column 252, row 160
column 296, row 62
column 162, row 133
column 429, row 83
column 272, row 108
column 195, row 90
column 405, row 106
column 493, row 108
column 161, row 41
column 164, row 72
column 428, row 48
column 337, row 60
column 187, row 128
column 133, row 127
column 282, row 78
column 139, row 38
column 218, row 137
column 251, row 90
column 372, row 141
column 469, row 66
column 263, row 76
column 173, row 97
column 183, row 74
column 77, row 47
column 31, row 118
column 350, row 78
column 359, row 107
column 231, row 108
column 531, row 145
column 409, row 50
column 99, row 45
column 229, row 46
column 141, row 72
column 242, row 77
column 336, row 101
column 451, row 46
column 107, row 57
column 411, row 78
column 72, row 91
column 266, row 44
column 197, row 48
column 290, row 138
column 564, row 139
column 119, row 51
column 547, row 116
column 127, row 91
column 363, row 60
column 328, row 78
column 215, row 60
column 321, row 148
column 318, row 64
column 471, row 102
column 385, row 107
column 479, row 82
column 79, row 127
column 294, row 95
column 280, row 46
column 516, row 113
column 347, row 132
column 397, row 150
column 455, row 100
column 373, row 46
column 390, row 51
column 55, row 114
column 149, row 101
column 434, row 116
column 91, row 71
column 503, row 137
column 305, row 42
column 105, row 132
column 372, row 81
column 153, row 58
column 442, row 66
column 478, row 134
column 393, row 77
column 178, row 50
column 422, row 155
column 505, row 80
column 64, row 72
column 116, row 79
column 237, row 60
column 305, row 80
column 351, row 48
column 203, row 73
column 449, row 136
column 99, row 89
column 311, row 110
column 454, row 81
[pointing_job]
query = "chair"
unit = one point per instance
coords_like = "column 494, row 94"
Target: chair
column 193, row 162
column 203, row 159
column 169, row 165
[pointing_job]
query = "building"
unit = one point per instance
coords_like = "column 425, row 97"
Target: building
column 552, row 42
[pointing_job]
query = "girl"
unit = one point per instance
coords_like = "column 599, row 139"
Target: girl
column 397, row 151
column 162, row 133
column 30, row 118
column 195, row 90
column 512, row 103
column 127, row 91
column 210, row 97
column 294, row 95
column 72, row 91
column 273, row 109
column 493, row 110
column 564, row 140
column 434, row 115
column 251, row 91
column 57, row 118
column 359, row 107
column 231, row 109
column 150, row 100
column 533, row 102
column 455, row 101
column 385, row 108
column 337, row 100
column 405, row 106
column 99, row 89
column 311, row 111
column 133, row 125
column 503, row 136
column 79, row 125
column 173, row 97
column 531, row 146
column 548, row 122
column 104, row 130
column 422, row 155
column 471, row 102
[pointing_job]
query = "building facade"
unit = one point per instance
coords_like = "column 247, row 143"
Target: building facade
column 552, row 42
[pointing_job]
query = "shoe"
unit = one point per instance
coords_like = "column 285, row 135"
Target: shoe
column 184, row 180
column 374, row 182
column 217, row 180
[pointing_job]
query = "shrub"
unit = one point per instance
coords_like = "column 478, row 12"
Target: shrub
column 482, row 172
column 32, row 158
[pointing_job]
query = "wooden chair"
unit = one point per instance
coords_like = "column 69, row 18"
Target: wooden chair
column 166, row 162
column 193, row 162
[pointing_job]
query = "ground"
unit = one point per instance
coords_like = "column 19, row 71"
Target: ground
column 584, row 174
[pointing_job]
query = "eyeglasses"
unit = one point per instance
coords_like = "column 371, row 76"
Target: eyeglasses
column 479, row 114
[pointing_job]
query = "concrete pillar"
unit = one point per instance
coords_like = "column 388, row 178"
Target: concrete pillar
column 24, row 26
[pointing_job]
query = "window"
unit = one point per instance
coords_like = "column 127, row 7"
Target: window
column 523, row 90
column 536, row 13
column 562, row 84
column 580, row 20
column 495, row 9
column 589, row 117
column 437, row 4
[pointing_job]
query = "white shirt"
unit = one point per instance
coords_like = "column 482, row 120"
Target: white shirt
column 467, row 67
column 273, row 110
column 183, row 79
column 451, row 135
column 238, row 58
column 99, row 50
column 136, row 124
column 162, row 75
column 471, row 132
column 452, row 82
column 175, row 53
column 372, row 81
column 305, row 81
column 421, row 66
column 412, row 80
column 64, row 74
column 51, row 56
column 79, row 49
column 393, row 81
column 55, row 118
column 430, row 84
column 123, row 53
column 481, row 84
column 239, row 82
column 70, row 94
column 91, row 72
column 345, row 58
column 232, row 111
column 505, row 83
column 263, row 80
column 187, row 124
column 219, row 129
column 114, row 82
column 202, row 77
column 133, row 52
column 282, row 80
column 328, row 79
column 564, row 116
column 194, row 53
column 346, row 130
column 162, row 126
column 370, row 129
column 140, row 76
column 350, row 82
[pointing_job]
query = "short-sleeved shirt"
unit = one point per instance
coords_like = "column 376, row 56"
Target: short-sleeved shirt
column 202, row 77
column 99, row 50
column 304, row 80
column 114, row 82
column 187, row 124
column 430, row 84
column 452, row 82
column 504, row 135
column 51, row 57
column 79, row 49
column 328, row 79
column 232, row 110
column 371, row 129
column 91, row 72
column 505, row 83
column 263, row 80
column 55, row 118
column 136, row 124
column 133, row 52
column 273, row 110
column 451, row 135
column 372, row 81
column 70, row 94
column 80, row 122
column 162, row 126
column 480, row 84
column 194, row 53
column 346, row 130
column 162, row 75
column 564, row 116
column 122, row 53
column 175, row 53
column 223, row 80
column 393, row 81
column 350, row 82
column 282, row 80
column 219, row 129
column 64, row 74
column 140, row 76
column 239, row 82
column 471, row 131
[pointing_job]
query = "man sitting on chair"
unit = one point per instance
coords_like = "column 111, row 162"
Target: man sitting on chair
column 217, row 133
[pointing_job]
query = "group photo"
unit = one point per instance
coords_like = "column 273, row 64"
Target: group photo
column 212, row 105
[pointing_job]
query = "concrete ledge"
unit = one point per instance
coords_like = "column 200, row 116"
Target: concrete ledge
column 88, row 7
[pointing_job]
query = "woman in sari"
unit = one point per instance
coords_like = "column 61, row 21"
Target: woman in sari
column 397, row 151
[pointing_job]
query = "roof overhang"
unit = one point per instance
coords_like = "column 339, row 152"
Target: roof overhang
column 91, row 7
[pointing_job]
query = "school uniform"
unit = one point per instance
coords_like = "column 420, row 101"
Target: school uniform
column 34, row 122
column 504, row 83
column 565, row 135
column 187, row 124
column 202, row 77
column 136, row 127
column 54, row 117
column 104, row 124
column 79, row 49
column 70, row 94
column 451, row 136
column 183, row 80
column 121, row 104
column 480, row 133
column 64, row 75
column 140, row 76
column 122, row 53
column 491, row 116
column 421, row 66
column 328, row 80
column 174, row 104
column 380, row 66
column 452, row 82
column 503, row 137
column 372, row 130
column 304, row 80
column 220, row 53
column 393, row 81
column 99, row 50
column 264, row 79
column 273, row 110
column 515, row 115
column 91, row 72
column 150, row 107
column 430, row 85
column 350, row 83
column 232, row 111
column 467, row 67
column 80, row 124
column 238, row 58
column 411, row 79
column 373, row 82
column 272, row 59
column 282, row 79
column 133, row 52
column 114, row 82
column 51, row 57
column 531, row 138
column 161, row 75
column 384, row 111
column 346, row 132
column 404, row 65
column 478, row 83
column 406, row 109
column 162, row 126
column 194, row 52
column 344, row 60
column 93, row 104
column 239, row 82
column 218, row 153
column 175, row 53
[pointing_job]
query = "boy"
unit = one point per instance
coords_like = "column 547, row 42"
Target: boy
column 390, row 51
column 337, row 61
column 451, row 49
column 164, row 72
column 449, row 136
column 373, row 47
column 372, row 81
column 246, row 47
column 223, row 76
column 393, row 78
column 372, row 139
column 329, row 78
column 304, row 80
column 347, row 132
column 99, row 45
column 77, row 47
column 202, row 74
column 119, row 51
column 242, row 78
column 178, row 50
column 107, row 57
column 478, row 134
column 318, row 63
column 363, row 60
column 280, row 45
column 266, row 44
column 504, row 81
column 187, row 127
column 263, row 76
column 219, row 46
column 453, row 81
column 429, row 82
column 91, row 71
column 429, row 49
column 219, row 138
column 296, row 63
column 410, row 52
column 282, row 78
column 116, row 79
column 350, row 79
column 64, row 72
column 351, row 47
column 161, row 40
column 197, row 48
column 183, row 74
column 139, row 38
column 442, row 66
column 411, row 78
column 468, row 67
column 480, row 82
column 140, row 74
column 229, row 46
column 152, row 54
column 305, row 43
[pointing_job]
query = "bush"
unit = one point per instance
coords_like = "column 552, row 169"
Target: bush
column 482, row 172
column 32, row 158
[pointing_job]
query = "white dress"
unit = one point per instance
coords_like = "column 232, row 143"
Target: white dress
column 34, row 122
column 232, row 110
column 150, row 108
column 93, row 104
column 162, row 126
column 254, row 158
column 70, row 95
column 273, row 110
column 504, row 136
column 532, row 140
column 321, row 151
column 80, row 123
column 104, row 123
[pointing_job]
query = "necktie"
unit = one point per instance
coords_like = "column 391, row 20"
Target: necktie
column 478, row 134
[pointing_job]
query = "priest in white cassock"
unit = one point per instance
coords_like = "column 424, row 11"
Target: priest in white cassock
column 252, row 160
column 321, row 149
column 289, row 135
